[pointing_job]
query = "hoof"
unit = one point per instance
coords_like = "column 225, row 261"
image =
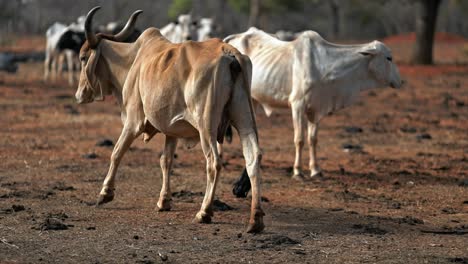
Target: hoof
column 298, row 177
column 202, row 218
column 256, row 222
column 316, row 173
column 102, row 199
column 164, row 206
column 255, row 227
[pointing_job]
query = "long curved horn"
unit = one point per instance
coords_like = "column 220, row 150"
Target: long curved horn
column 129, row 27
column 92, row 40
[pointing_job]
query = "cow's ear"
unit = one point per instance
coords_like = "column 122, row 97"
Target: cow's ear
column 369, row 51
column 91, row 68
column 229, row 38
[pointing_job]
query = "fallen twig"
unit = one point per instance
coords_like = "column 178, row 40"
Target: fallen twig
column 3, row 240
column 446, row 232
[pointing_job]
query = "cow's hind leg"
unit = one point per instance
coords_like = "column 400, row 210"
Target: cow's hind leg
column 70, row 56
column 164, row 203
column 312, row 139
column 47, row 65
column 253, row 156
column 129, row 133
column 213, row 169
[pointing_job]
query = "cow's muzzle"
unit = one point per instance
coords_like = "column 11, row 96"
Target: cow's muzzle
column 396, row 85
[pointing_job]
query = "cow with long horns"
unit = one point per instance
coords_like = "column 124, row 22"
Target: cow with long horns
column 190, row 90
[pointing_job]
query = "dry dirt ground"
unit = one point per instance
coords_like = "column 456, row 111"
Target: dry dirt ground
column 401, row 196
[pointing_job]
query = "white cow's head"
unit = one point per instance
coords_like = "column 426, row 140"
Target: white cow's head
column 186, row 25
column 94, row 81
column 381, row 65
column 206, row 29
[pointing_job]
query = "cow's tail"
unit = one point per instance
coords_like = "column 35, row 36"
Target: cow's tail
column 246, row 75
column 242, row 186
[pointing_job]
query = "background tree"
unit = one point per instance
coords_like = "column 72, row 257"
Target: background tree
column 179, row 7
column 426, row 17
column 255, row 13
column 259, row 9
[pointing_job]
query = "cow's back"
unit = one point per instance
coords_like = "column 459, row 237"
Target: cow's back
column 175, row 80
column 273, row 62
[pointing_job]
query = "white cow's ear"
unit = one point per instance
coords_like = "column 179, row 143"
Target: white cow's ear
column 369, row 52
column 228, row 38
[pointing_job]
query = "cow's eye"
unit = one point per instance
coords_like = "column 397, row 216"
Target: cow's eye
column 389, row 58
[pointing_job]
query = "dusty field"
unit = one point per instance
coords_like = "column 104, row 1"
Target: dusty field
column 402, row 198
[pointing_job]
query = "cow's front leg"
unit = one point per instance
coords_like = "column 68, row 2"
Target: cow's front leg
column 164, row 203
column 213, row 169
column 129, row 133
column 312, row 139
column 299, row 128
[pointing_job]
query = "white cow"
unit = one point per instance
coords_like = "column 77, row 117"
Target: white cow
column 286, row 35
column 53, row 34
column 205, row 30
column 179, row 31
column 313, row 77
column 63, row 41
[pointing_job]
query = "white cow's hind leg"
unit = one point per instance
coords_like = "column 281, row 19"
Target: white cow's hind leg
column 129, row 133
column 312, row 139
column 164, row 203
column 54, row 66
column 299, row 128
column 47, row 65
column 213, row 169
column 70, row 66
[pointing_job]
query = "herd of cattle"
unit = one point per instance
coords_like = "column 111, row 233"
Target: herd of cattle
column 64, row 42
column 193, row 91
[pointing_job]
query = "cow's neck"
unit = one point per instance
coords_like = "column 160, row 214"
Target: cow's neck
column 119, row 58
column 344, row 74
column 345, row 66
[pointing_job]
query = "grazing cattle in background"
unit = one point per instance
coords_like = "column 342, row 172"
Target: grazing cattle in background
column 113, row 28
column 286, row 35
column 313, row 77
column 63, row 40
column 53, row 34
column 8, row 62
column 181, row 30
column 206, row 29
column 190, row 90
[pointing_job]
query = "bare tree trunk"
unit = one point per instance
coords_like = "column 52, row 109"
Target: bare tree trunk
column 219, row 18
column 197, row 9
column 426, row 17
column 335, row 15
column 255, row 12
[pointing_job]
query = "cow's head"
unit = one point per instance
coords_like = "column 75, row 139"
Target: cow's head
column 186, row 26
column 206, row 29
column 381, row 65
column 94, row 84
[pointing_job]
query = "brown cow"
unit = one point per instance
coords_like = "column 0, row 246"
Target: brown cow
column 190, row 90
